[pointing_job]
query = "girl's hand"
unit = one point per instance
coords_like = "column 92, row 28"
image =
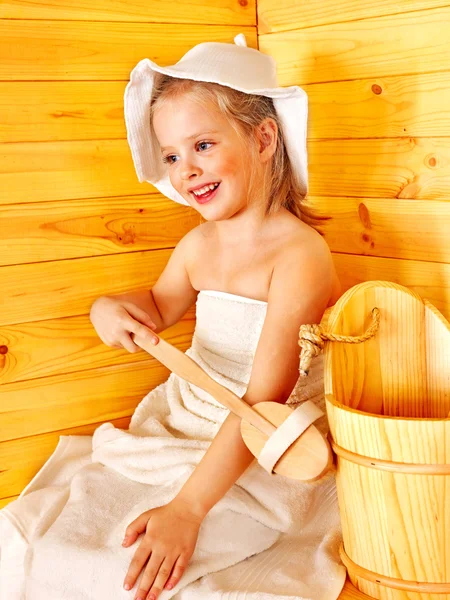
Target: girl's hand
column 171, row 533
column 115, row 320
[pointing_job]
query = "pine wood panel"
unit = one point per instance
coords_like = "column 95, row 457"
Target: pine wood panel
column 61, row 178
column 381, row 168
column 34, row 111
column 71, row 50
column 74, row 399
column 430, row 280
column 403, row 44
column 291, row 14
column 402, row 371
column 68, row 345
column 397, row 106
column 407, row 105
column 48, row 231
column 65, row 288
column 34, row 172
column 22, row 458
column 44, row 402
column 217, row 12
column 408, row 229
column 5, row 501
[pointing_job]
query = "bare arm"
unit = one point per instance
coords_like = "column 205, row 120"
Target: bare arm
column 145, row 300
column 301, row 288
column 221, row 466
column 172, row 295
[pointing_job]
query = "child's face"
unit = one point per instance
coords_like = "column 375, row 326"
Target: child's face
column 200, row 147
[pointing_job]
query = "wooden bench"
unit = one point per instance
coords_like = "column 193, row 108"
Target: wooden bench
column 351, row 593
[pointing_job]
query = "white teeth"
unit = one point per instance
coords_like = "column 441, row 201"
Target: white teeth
column 205, row 189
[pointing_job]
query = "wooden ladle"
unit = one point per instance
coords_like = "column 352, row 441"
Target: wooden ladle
column 308, row 458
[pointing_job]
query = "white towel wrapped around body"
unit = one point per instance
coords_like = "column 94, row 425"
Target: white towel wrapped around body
column 269, row 537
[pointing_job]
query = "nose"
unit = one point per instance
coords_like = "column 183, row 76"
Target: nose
column 189, row 170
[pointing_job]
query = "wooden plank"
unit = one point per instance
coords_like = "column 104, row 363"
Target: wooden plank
column 403, row 106
column 409, row 43
column 407, row 105
column 380, row 168
column 36, row 301
column 35, row 111
column 5, row 501
column 65, row 288
column 351, row 593
column 34, row 172
column 213, row 12
column 71, row 50
column 291, row 14
column 409, row 229
column 68, row 345
column 48, row 231
column 430, row 280
column 74, row 399
column 22, row 458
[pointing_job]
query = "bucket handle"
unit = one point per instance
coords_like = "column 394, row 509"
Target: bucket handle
column 312, row 340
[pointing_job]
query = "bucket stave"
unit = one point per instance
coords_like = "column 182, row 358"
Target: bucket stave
column 387, row 403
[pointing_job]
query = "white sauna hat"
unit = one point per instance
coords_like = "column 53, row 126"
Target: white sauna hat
column 233, row 65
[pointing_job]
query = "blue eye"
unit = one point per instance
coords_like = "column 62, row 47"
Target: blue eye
column 201, row 143
column 167, row 159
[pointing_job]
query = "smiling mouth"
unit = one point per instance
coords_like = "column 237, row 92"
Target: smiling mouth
column 196, row 194
column 207, row 195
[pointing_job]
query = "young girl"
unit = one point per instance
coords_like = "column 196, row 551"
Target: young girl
column 215, row 132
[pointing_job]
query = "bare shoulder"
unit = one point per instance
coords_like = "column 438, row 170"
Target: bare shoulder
column 305, row 259
column 191, row 243
column 305, row 238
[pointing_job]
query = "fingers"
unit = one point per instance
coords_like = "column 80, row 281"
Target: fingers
column 141, row 330
column 157, row 575
column 133, row 320
column 137, row 564
column 126, row 339
column 163, row 568
column 162, row 556
column 143, row 317
column 141, row 322
column 177, row 572
column 136, row 527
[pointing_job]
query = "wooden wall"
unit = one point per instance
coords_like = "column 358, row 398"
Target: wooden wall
column 378, row 79
column 75, row 223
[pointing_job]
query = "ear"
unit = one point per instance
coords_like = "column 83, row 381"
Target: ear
column 267, row 132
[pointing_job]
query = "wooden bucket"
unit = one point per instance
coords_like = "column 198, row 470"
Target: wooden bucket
column 388, row 401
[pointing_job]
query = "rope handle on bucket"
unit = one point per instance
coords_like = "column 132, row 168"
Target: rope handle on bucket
column 312, row 340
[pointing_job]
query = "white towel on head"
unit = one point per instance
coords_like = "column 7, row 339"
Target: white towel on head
column 268, row 538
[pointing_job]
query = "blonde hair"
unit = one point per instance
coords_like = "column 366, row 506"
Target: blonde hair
column 279, row 187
